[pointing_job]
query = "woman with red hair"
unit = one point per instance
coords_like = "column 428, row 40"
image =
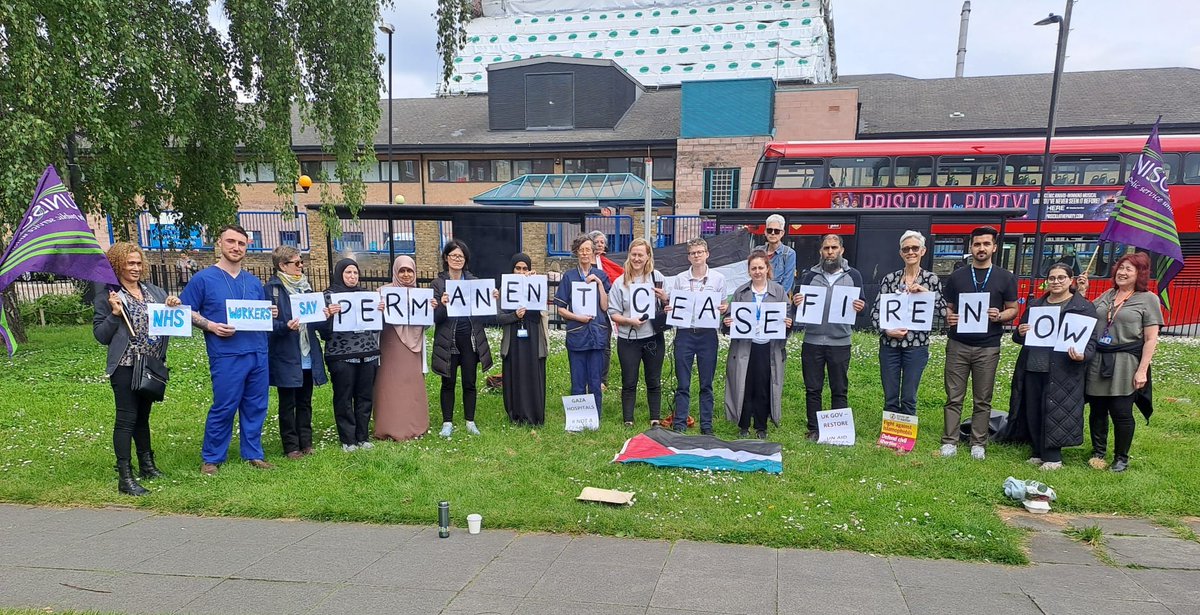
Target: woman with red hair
column 1129, row 319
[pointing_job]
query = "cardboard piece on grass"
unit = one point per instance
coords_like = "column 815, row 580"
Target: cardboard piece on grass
column 606, row 496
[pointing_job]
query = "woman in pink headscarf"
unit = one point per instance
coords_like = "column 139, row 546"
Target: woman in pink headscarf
column 401, row 403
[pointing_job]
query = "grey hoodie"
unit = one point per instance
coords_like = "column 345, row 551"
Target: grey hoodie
column 828, row 334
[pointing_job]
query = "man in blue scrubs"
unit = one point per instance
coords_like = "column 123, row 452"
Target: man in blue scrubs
column 237, row 360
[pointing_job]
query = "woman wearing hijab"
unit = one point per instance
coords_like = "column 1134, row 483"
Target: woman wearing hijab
column 523, row 349
column 352, row 358
column 401, row 403
column 293, row 354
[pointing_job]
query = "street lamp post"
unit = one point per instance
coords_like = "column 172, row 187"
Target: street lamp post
column 387, row 29
column 1064, row 28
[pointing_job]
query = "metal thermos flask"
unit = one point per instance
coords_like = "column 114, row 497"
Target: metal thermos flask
column 443, row 519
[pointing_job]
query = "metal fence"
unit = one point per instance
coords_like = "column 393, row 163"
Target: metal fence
column 681, row 229
column 267, row 229
column 618, row 230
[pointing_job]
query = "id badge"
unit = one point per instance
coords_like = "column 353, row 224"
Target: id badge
column 1106, row 340
column 522, row 333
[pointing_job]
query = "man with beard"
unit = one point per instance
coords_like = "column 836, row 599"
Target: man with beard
column 975, row 355
column 237, row 360
column 827, row 346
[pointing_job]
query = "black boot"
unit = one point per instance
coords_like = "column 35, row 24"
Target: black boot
column 146, row 463
column 126, row 483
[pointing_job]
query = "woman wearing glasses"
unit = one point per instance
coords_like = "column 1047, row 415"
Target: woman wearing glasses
column 458, row 343
column 903, row 354
column 294, row 356
column 1046, row 403
column 587, row 323
column 783, row 258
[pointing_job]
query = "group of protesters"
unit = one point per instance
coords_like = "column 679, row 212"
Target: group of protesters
column 380, row 375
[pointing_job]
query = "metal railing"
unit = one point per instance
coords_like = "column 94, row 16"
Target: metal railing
column 617, row 229
column 681, row 229
column 268, row 230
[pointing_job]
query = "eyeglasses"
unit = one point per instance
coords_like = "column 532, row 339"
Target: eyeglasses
column 913, row 249
column 1058, row 279
column 700, row 253
column 455, row 257
column 774, row 231
column 297, row 263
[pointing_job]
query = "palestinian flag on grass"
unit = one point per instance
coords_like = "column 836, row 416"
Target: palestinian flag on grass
column 668, row 449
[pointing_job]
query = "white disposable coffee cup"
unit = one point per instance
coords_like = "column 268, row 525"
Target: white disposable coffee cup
column 474, row 522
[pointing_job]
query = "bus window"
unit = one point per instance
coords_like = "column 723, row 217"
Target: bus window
column 860, row 172
column 968, row 170
column 1170, row 161
column 948, row 252
column 1023, row 171
column 1191, row 169
column 914, row 171
column 1007, row 255
column 1088, row 169
column 795, row 173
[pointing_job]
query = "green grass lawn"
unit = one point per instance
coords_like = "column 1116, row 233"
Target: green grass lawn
column 56, row 414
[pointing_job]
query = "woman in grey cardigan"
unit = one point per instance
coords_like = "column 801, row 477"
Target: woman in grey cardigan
column 121, row 323
column 754, row 370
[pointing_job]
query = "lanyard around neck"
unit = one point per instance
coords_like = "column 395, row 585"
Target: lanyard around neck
column 974, row 280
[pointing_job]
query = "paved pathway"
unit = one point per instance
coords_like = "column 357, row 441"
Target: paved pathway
column 133, row 561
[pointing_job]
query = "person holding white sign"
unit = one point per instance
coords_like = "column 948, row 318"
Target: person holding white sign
column 1119, row 377
column 754, row 368
column 635, row 304
column 459, row 343
column 695, row 343
column 904, row 353
column 582, row 300
column 401, row 401
column 523, row 350
column 237, row 360
column 294, row 354
column 1046, row 403
column 120, row 322
column 353, row 361
column 827, row 345
column 975, row 355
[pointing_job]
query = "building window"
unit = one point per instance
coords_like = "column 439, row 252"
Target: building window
column 289, row 238
column 550, row 101
column 311, row 168
column 664, row 169
column 721, row 188
column 489, row 171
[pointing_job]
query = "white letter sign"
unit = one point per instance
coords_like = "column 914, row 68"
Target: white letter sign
column 681, row 308
column 248, row 314
column 841, row 308
column 171, row 321
column 585, row 299
column 972, row 311
column 706, row 314
column 1074, row 332
column 483, row 297
column 459, row 292
column 360, row 311
column 308, row 307
column 1043, row 326
column 642, row 302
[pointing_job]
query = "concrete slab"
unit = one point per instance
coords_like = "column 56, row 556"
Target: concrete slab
column 654, row 611
column 14, row 516
column 1047, row 548
column 106, row 592
column 1084, row 606
column 174, row 528
column 103, row 552
column 634, row 553
column 1122, row 526
column 946, row 573
column 401, row 601
column 1171, row 586
column 816, row 567
column 296, row 564
column 245, row 597
column 545, row 606
column 354, row 536
column 1075, row 581
column 429, row 562
column 273, row 534
column 472, row 603
column 735, row 590
column 688, row 557
column 519, row 566
column 1038, row 523
column 848, row 598
column 84, row 522
column 603, row 580
column 205, row 559
column 1155, row 552
column 939, row 601
column 1183, row 609
column 19, row 547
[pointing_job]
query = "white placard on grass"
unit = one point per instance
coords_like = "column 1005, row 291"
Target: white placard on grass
column 836, row 427
column 581, row 412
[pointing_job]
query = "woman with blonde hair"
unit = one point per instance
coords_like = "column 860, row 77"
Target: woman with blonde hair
column 121, row 323
column 638, row 341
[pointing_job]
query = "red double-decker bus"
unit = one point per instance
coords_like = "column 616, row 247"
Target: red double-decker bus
column 1087, row 173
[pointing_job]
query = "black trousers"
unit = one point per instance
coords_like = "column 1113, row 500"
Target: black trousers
column 353, row 398
column 815, row 359
column 133, row 416
column 295, row 415
column 1121, row 411
column 756, row 400
column 649, row 352
column 468, row 360
column 1035, row 416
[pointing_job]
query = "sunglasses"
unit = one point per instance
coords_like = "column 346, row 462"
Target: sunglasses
column 300, row 263
column 774, row 231
column 912, row 249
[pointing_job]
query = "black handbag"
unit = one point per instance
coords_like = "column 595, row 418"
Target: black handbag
column 150, row 375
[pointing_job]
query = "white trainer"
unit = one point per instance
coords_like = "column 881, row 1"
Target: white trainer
column 1050, row 466
column 366, row 445
column 349, row 448
column 1034, row 461
column 472, row 429
column 447, row 429
column 977, row 452
column 948, row 450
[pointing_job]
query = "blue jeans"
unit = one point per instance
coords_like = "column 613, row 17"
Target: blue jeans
column 239, row 387
column 900, row 370
column 700, row 345
column 586, row 369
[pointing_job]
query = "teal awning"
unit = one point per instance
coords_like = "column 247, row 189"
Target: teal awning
column 583, row 189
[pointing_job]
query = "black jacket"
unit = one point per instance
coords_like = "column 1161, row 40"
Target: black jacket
column 443, row 332
column 283, row 345
column 1064, row 393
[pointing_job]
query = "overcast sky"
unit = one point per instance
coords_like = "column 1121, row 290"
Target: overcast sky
column 919, row 38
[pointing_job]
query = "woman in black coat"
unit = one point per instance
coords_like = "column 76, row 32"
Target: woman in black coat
column 121, row 323
column 458, row 343
column 293, row 354
column 1046, row 407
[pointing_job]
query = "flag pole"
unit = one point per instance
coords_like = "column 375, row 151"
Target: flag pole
column 1092, row 260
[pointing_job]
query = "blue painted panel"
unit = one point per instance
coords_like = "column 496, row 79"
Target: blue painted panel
column 727, row 108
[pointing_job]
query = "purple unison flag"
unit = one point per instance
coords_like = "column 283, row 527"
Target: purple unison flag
column 1144, row 217
column 52, row 237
